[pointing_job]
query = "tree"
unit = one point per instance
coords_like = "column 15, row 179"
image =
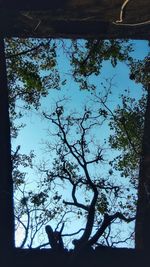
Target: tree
column 130, row 123
column 77, row 155
column 127, row 123
column 32, row 71
column 6, row 183
column 6, row 208
column 143, row 209
column 27, row 87
column 131, row 134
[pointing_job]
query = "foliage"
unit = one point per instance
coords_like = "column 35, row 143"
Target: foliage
column 32, row 71
column 127, row 124
column 87, row 59
column 140, row 71
column 20, row 160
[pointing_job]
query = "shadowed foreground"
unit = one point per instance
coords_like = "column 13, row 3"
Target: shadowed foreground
column 101, row 256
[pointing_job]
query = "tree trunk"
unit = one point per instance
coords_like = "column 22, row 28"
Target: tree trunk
column 142, row 227
column 6, row 184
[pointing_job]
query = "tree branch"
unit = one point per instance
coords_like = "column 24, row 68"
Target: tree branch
column 106, row 222
column 77, row 204
column 9, row 56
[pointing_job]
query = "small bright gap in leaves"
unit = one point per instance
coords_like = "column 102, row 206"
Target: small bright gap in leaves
column 76, row 110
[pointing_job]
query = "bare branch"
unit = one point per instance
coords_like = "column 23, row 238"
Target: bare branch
column 75, row 233
column 106, row 222
column 77, row 204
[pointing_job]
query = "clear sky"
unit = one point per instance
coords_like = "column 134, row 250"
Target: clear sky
column 34, row 135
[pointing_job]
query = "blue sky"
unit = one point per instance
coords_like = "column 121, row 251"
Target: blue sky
column 35, row 134
column 35, row 126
